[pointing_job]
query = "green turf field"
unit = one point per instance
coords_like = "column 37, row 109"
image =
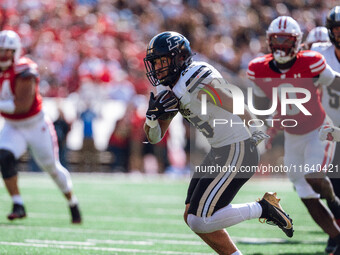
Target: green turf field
column 139, row 215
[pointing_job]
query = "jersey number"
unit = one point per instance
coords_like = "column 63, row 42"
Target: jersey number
column 334, row 100
column 202, row 126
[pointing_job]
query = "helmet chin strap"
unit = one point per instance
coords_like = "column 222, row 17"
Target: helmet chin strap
column 281, row 57
column 5, row 64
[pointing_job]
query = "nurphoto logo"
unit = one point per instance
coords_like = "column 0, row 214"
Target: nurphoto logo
column 289, row 103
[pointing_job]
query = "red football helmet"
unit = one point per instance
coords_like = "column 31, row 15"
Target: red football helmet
column 9, row 40
column 284, row 38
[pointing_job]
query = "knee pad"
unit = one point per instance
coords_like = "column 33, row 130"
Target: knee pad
column 197, row 224
column 7, row 163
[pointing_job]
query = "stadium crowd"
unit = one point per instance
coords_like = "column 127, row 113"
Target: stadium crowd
column 95, row 48
column 103, row 42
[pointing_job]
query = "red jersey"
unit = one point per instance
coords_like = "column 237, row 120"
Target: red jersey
column 7, row 86
column 308, row 65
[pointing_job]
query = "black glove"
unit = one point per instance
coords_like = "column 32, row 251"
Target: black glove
column 258, row 136
column 161, row 105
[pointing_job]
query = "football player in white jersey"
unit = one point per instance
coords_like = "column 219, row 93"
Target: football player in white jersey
column 181, row 83
column 317, row 34
column 331, row 98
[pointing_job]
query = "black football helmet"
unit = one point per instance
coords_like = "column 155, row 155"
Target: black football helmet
column 176, row 48
column 333, row 20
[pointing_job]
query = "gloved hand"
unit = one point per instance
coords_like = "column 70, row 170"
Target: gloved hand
column 163, row 104
column 258, row 136
column 329, row 133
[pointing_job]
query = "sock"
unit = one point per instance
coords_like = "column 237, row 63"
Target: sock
column 236, row 213
column 17, row 200
column 334, row 206
column 237, row 253
column 73, row 201
column 264, row 207
column 225, row 217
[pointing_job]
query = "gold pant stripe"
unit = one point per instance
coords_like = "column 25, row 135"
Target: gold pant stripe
column 214, row 182
column 229, row 179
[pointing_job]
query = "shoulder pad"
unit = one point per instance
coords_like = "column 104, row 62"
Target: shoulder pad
column 194, row 75
column 252, row 66
column 321, row 46
column 25, row 65
column 258, row 60
column 315, row 61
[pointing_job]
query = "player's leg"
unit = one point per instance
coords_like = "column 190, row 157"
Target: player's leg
column 12, row 147
column 45, row 152
column 319, row 154
column 219, row 240
column 210, row 210
column 334, row 176
column 294, row 146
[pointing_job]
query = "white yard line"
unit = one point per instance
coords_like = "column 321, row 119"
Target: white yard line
column 111, row 219
column 151, row 241
column 104, row 232
column 129, row 251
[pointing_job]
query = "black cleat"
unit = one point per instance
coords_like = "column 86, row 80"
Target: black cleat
column 75, row 213
column 18, row 212
column 336, row 251
column 273, row 214
column 331, row 245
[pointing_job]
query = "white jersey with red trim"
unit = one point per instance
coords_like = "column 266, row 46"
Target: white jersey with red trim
column 330, row 98
column 7, row 87
column 198, row 76
column 304, row 73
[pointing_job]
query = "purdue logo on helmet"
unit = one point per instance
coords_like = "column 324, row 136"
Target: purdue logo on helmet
column 333, row 20
column 176, row 49
column 173, row 41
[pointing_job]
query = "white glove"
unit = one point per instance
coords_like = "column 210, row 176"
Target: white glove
column 258, row 136
column 329, row 133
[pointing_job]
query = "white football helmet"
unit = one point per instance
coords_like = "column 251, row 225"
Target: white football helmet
column 10, row 40
column 317, row 34
column 284, row 38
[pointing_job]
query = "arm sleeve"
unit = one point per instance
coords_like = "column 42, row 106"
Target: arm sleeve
column 326, row 77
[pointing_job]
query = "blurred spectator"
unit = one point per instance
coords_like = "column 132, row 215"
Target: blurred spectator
column 89, row 152
column 97, row 40
column 62, row 128
column 119, row 143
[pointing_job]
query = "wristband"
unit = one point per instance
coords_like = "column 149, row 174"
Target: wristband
column 151, row 123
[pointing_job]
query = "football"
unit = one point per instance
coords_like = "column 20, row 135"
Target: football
column 168, row 94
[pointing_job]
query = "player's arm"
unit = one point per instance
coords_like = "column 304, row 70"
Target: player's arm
column 24, row 96
column 155, row 127
column 155, row 130
column 328, row 77
column 24, row 93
